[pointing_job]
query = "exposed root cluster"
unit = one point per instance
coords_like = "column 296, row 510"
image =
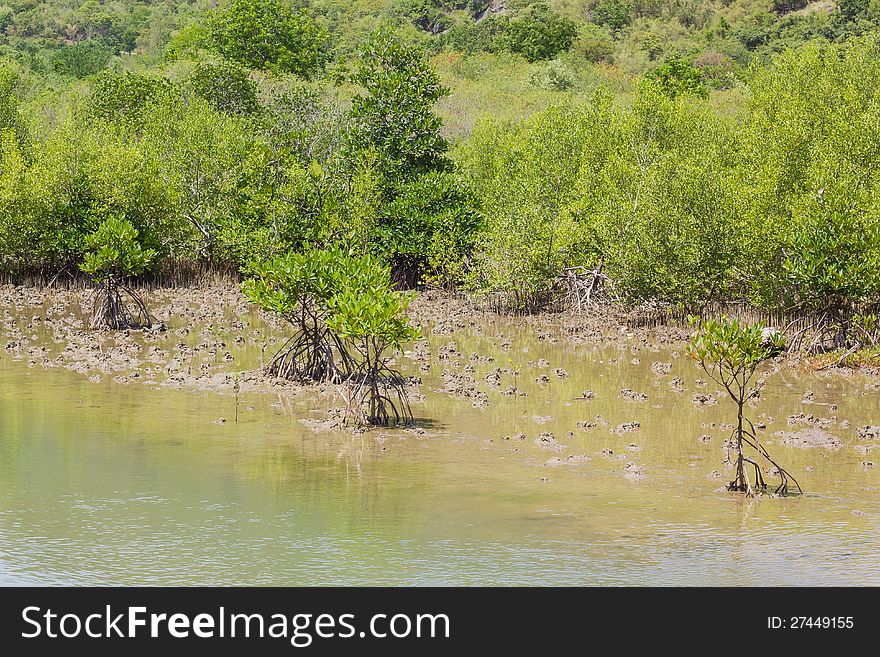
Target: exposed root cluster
column 742, row 435
column 111, row 311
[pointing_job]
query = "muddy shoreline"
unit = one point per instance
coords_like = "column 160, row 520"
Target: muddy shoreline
column 208, row 337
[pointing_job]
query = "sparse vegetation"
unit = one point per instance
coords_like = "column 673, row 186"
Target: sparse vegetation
column 730, row 354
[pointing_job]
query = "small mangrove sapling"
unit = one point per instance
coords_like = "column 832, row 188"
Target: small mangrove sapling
column 730, row 353
column 348, row 320
column 297, row 287
column 113, row 256
column 371, row 319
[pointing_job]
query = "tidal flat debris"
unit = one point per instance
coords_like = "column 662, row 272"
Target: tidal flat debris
column 626, row 427
column 548, row 441
column 807, row 438
column 661, row 368
column 702, row 399
column 811, row 420
column 869, row 432
column 633, row 396
column 571, row 459
column 633, row 472
column 588, row 394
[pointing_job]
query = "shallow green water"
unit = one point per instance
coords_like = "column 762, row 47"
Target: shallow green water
column 104, row 483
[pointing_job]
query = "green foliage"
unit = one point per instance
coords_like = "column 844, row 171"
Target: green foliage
column 372, row 312
column 394, row 115
column 286, row 284
column 614, row 14
column 10, row 115
column 346, row 316
column 733, row 350
column 123, row 96
column 432, row 219
column 832, row 258
column 227, row 86
column 468, row 37
column 730, row 352
column 554, row 76
column 83, row 58
column 527, row 175
column 538, row 33
column 113, row 251
column 271, row 35
column 678, row 77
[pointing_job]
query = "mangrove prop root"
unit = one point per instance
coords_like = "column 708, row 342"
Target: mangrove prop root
column 111, row 311
column 311, row 354
column 377, row 398
column 741, row 482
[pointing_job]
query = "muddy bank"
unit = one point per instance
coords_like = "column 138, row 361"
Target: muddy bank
column 209, row 337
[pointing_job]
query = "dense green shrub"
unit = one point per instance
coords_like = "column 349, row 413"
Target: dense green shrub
column 123, row 96
column 112, row 256
column 614, row 14
column 270, row 35
column 678, row 77
column 538, row 33
column 394, row 115
column 730, row 354
column 347, row 323
column 83, row 58
column 227, row 86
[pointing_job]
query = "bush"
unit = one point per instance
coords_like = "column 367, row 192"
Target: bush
column 730, row 354
column 346, row 318
column 82, row 58
column 678, row 77
column 613, row 14
column 553, row 76
column 269, row 35
column 526, row 175
column 113, row 255
column 539, row 33
column 227, row 86
column 395, row 114
column 123, row 96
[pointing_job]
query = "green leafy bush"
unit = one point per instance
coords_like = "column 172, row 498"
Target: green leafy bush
column 538, row 33
column 678, row 77
column 270, row 35
column 347, row 321
column 123, row 96
column 227, row 86
column 394, row 115
column 113, row 255
column 614, row 14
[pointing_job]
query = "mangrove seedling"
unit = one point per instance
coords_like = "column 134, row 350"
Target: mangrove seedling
column 730, row 353
column 297, row 287
column 370, row 317
column 113, row 256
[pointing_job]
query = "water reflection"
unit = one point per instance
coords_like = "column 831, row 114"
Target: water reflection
column 103, row 483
